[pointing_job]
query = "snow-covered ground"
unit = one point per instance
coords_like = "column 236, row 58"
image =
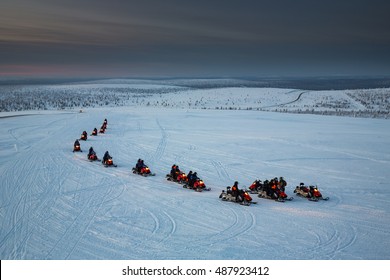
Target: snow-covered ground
column 55, row 204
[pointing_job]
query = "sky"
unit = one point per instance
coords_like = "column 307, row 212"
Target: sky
column 194, row 38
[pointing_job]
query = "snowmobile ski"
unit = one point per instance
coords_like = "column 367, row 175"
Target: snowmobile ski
column 186, row 186
column 284, row 199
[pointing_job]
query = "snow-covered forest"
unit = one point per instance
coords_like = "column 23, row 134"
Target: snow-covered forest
column 221, row 95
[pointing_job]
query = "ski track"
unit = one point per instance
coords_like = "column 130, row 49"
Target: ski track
column 221, row 171
column 161, row 145
column 86, row 220
column 243, row 222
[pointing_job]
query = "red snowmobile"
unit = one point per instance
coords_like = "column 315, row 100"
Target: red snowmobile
column 197, row 185
column 181, row 178
column 93, row 157
column 255, row 187
column 242, row 197
column 311, row 193
column 84, row 136
column 144, row 171
column 76, row 147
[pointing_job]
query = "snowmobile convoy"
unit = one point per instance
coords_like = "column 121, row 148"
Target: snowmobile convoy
column 242, row 198
column 311, row 193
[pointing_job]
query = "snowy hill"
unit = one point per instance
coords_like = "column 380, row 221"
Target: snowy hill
column 55, row 204
column 222, row 94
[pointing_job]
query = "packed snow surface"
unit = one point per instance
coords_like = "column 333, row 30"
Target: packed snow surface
column 55, row 204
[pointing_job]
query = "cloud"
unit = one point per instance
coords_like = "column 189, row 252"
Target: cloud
column 220, row 36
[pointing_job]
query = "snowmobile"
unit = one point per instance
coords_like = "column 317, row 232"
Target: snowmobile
column 256, row 187
column 76, row 148
column 311, row 193
column 84, row 136
column 102, row 130
column 276, row 194
column 109, row 162
column 145, row 171
column 94, row 132
column 242, row 198
column 198, row 186
column 181, row 178
column 92, row 157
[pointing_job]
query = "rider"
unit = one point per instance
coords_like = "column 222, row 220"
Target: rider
column 273, row 190
column 91, row 152
column 192, row 179
column 235, row 191
column 139, row 165
column 282, row 184
column 175, row 171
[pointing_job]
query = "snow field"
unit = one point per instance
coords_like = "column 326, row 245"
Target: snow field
column 55, row 204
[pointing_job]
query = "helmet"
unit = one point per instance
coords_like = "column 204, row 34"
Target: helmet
column 236, row 183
